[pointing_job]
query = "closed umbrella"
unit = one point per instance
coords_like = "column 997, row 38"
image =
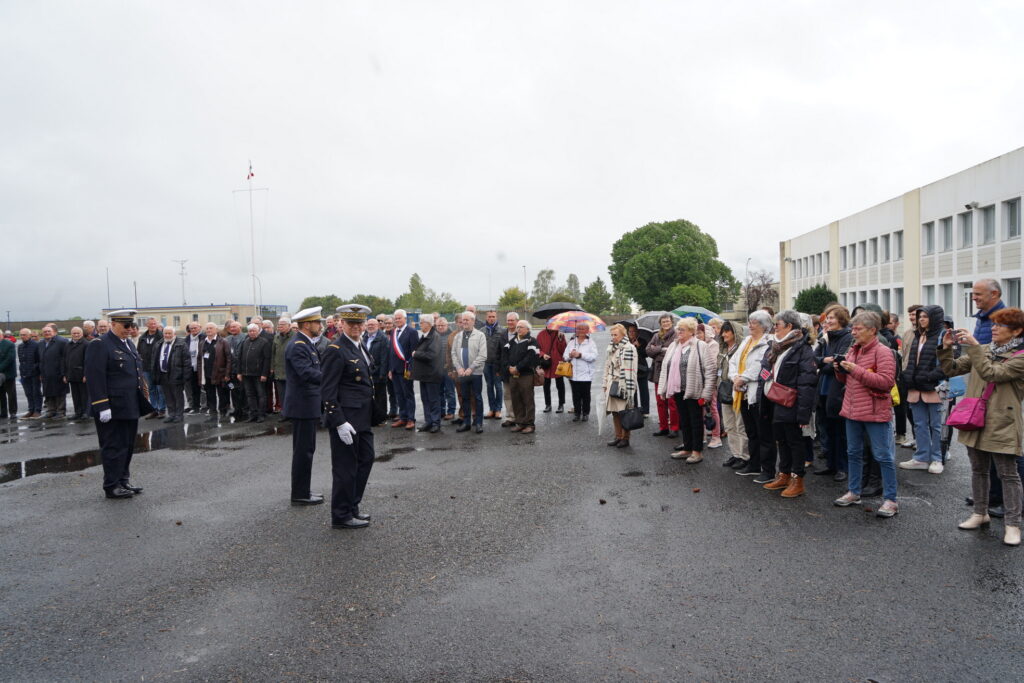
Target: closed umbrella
column 566, row 322
column 554, row 308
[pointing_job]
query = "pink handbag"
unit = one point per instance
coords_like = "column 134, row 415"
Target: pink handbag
column 969, row 414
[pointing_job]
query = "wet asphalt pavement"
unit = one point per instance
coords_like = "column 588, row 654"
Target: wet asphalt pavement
column 493, row 557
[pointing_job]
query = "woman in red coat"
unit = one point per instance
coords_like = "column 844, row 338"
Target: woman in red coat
column 552, row 345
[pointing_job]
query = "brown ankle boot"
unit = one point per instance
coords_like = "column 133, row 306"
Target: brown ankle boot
column 795, row 488
column 780, row 481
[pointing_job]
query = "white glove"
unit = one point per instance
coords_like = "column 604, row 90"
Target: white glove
column 105, row 415
column 345, row 433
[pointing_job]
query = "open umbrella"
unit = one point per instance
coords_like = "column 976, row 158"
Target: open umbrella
column 566, row 322
column 642, row 334
column 649, row 321
column 699, row 312
column 554, row 308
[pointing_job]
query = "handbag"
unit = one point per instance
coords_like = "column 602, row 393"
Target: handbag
column 633, row 418
column 615, row 390
column 969, row 414
column 563, row 369
column 538, row 377
column 782, row 395
column 725, row 390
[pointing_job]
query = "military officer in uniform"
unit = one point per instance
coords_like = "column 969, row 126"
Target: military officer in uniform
column 302, row 403
column 348, row 416
column 118, row 395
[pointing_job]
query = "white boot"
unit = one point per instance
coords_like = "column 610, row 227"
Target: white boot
column 1011, row 536
column 975, row 521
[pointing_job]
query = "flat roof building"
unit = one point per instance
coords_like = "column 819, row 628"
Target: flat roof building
column 179, row 316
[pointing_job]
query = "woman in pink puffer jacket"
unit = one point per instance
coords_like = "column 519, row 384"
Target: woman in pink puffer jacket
column 869, row 373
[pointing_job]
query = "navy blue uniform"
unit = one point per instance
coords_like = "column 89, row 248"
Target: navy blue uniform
column 348, row 397
column 113, row 376
column 302, row 406
column 31, row 374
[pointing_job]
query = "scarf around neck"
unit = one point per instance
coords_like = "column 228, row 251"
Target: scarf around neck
column 1011, row 345
column 776, row 347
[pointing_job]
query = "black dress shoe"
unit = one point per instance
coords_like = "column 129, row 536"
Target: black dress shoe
column 423, row 428
column 547, row 409
column 479, row 429
column 118, row 492
column 823, row 472
column 623, row 443
column 575, row 418
column 585, row 418
column 434, row 429
column 463, row 428
column 614, row 442
column 260, row 419
column 134, row 489
column 996, row 511
column 730, row 462
column 839, row 476
column 365, row 516
column 350, row 523
column 660, row 432
column 739, row 464
column 560, row 409
column 168, row 420
column 673, row 435
column 314, row 499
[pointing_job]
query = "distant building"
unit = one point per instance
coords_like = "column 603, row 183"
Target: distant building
column 180, row 316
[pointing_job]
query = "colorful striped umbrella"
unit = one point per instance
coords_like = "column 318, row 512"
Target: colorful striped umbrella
column 566, row 322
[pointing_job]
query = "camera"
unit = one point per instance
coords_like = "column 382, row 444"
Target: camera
column 836, row 360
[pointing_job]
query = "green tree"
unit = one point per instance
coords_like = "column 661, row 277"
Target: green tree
column 691, row 295
column 329, row 302
column 596, row 297
column 442, row 303
column 814, row 299
column 572, row 288
column 377, row 304
column 621, row 303
column 416, row 297
column 513, row 298
column 649, row 261
column 543, row 285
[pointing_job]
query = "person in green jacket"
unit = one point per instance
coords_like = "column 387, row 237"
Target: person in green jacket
column 277, row 371
column 8, row 375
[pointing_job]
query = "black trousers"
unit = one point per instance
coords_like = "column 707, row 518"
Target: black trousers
column 760, row 438
column 303, row 448
column 217, row 396
column 350, row 470
column 195, row 393
column 8, row 398
column 691, row 423
column 240, row 403
column 835, row 444
column 256, row 392
column 580, row 397
column 900, row 411
column 381, row 387
column 560, row 385
column 392, row 400
column 174, row 395
column 792, row 449
column 80, row 398
column 279, row 394
column 645, row 395
column 117, row 444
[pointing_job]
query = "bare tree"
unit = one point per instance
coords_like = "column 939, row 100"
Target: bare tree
column 761, row 290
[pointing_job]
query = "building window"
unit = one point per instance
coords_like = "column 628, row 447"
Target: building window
column 946, row 292
column 826, row 263
column 873, row 250
column 1011, row 292
column 897, row 244
column 1011, row 218
column 946, row 233
column 177, row 320
column 842, row 258
column 862, row 253
column 195, row 317
column 886, row 249
column 897, row 299
column 928, row 293
column 842, row 299
column 988, row 225
column 886, row 302
column 966, row 221
column 928, row 238
column 218, row 318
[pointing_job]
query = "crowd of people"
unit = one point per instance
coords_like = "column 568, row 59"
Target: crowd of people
column 784, row 389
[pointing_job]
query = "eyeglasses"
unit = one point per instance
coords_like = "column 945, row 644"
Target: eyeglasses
column 999, row 325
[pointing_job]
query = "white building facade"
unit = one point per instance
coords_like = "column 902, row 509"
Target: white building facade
column 926, row 246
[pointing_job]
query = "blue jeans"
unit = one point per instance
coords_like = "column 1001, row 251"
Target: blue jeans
column 927, row 431
column 472, row 397
column 449, row 406
column 156, row 393
column 495, row 391
column 430, row 396
column 405, row 396
column 883, row 442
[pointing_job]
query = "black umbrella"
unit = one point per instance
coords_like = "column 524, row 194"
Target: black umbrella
column 642, row 334
column 554, row 308
column 649, row 321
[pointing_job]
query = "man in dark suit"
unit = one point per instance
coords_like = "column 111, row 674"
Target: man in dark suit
column 53, row 368
column 348, row 415
column 403, row 341
column 28, row 368
column 113, row 376
column 254, row 370
column 75, row 359
column 376, row 341
column 172, row 372
column 302, row 402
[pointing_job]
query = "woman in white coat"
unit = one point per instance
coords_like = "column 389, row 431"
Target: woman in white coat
column 744, row 367
column 581, row 351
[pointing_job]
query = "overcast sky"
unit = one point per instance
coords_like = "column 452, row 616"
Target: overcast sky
column 463, row 140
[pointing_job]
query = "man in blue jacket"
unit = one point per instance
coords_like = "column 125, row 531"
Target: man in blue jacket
column 403, row 341
column 302, row 402
column 8, row 368
column 31, row 376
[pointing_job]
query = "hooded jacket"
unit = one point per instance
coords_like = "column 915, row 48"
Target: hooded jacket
column 923, row 373
column 832, row 344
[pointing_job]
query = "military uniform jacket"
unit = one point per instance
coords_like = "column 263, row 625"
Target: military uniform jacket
column 303, row 375
column 348, row 385
column 113, row 376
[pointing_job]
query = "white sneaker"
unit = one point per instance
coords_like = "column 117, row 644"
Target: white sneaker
column 913, row 465
column 935, row 467
column 908, row 443
column 716, row 442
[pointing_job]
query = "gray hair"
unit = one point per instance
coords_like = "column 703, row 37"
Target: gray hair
column 400, row 310
column 789, row 317
column 283, row 319
column 993, row 285
column 170, row 328
column 867, row 319
column 471, row 314
column 86, row 323
column 761, row 318
column 427, row 318
column 512, row 314
column 252, row 326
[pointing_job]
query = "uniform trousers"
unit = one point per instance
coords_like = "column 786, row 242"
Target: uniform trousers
column 79, row 398
column 8, row 398
column 175, row 397
column 256, row 392
column 117, row 444
column 350, row 470
column 303, row 448
column 523, row 404
column 33, row 393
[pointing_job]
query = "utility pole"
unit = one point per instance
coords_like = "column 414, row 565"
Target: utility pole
column 526, row 287
column 252, row 235
column 108, row 287
column 135, row 286
column 182, row 263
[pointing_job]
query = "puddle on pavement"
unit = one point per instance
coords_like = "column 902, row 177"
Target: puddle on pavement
column 177, row 437
column 389, row 453
column 633, row 473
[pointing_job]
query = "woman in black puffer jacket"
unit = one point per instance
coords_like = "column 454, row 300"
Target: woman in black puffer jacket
column 922, row 375
column 836, row 341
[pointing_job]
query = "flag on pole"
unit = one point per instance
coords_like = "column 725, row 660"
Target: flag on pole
column 251, row 174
